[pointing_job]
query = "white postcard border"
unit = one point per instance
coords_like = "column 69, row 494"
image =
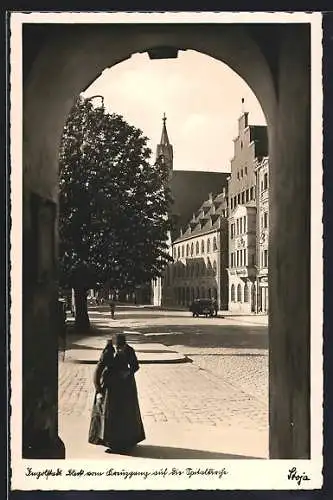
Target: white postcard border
column 240, row 474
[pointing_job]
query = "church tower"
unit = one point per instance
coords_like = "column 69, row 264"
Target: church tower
column 164, row 154
column 164, row 150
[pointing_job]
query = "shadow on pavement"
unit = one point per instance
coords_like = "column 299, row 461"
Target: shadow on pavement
column 196, row 334
column 128, row 315
column 225, row 355
column 165, row 452
column 254, row 337
column 152, row 361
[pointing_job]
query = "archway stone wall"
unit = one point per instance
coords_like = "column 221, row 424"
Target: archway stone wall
column 65, row 62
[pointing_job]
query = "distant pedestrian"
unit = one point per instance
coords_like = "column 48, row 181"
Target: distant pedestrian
column 215, row 306
column 112, row 308
column 116, row 420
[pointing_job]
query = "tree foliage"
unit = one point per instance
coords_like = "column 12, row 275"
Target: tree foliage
column 112, row 223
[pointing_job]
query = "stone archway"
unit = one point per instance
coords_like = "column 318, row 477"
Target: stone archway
column 60, row 61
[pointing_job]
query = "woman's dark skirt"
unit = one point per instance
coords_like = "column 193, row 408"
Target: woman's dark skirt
column 116, row 420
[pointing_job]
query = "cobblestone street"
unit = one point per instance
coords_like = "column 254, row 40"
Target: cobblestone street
column 223, row 385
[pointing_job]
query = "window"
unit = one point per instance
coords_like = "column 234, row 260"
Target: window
column 235, row 201
column 202, row 246
column 252, row 260
column 214, row 244
column 265, row 224
column 239, row 293
column 245, row 170
column 208, row 245
column 244, row 224
column 232, row 293
column 246, row 293
column 238, row 199
column 243, row 197
column 244, row 257
column 237, row 226
column 197, row 248
column 232, row 231
column 265, row 258
column 265, row 181
column 174, row 253
column 242, row 173
column 187, row 250
column 231, row 259
column 240, row 226
column 238, row 175
column 237, row 258
column 178, row 252
column 192, row 249
column 252, row 193
column 214, row 267
column 182, row 250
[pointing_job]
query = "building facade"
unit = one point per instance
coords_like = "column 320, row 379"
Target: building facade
column 250, row 147
column 262, row 196
column 200, row 256
column 242, row 259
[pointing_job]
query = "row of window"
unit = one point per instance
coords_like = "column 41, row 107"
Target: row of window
column 243, row 197
column 188, row 250
column 242, row 173
column 195, row 270
column 239, row 227
column 240, row 259
column 240, row 296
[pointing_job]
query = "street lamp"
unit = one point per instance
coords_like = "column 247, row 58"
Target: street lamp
column 98, row 96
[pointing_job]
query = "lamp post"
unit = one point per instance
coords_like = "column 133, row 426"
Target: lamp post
column 97, row 96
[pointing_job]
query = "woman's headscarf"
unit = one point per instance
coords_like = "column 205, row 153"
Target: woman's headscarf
column 108, row 351
column 121, row 339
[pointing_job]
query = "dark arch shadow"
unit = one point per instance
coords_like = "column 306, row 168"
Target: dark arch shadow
column 168, row 452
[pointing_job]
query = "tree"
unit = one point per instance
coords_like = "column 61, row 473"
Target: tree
column 112, row 222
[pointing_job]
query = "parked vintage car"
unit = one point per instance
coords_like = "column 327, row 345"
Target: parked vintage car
column 203, row 307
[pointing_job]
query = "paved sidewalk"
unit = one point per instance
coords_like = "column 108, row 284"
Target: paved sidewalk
column 249, row 319
column 188, row 411
column 88, row 350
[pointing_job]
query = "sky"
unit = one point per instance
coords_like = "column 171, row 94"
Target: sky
column 201, row 97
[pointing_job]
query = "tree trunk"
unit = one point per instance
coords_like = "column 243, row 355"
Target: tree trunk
column 82, row 322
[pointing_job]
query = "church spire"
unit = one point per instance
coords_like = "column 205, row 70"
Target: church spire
column 164, row 137
column 164, row 149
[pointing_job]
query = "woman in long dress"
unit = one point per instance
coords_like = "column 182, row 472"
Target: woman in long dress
column 116, row 419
